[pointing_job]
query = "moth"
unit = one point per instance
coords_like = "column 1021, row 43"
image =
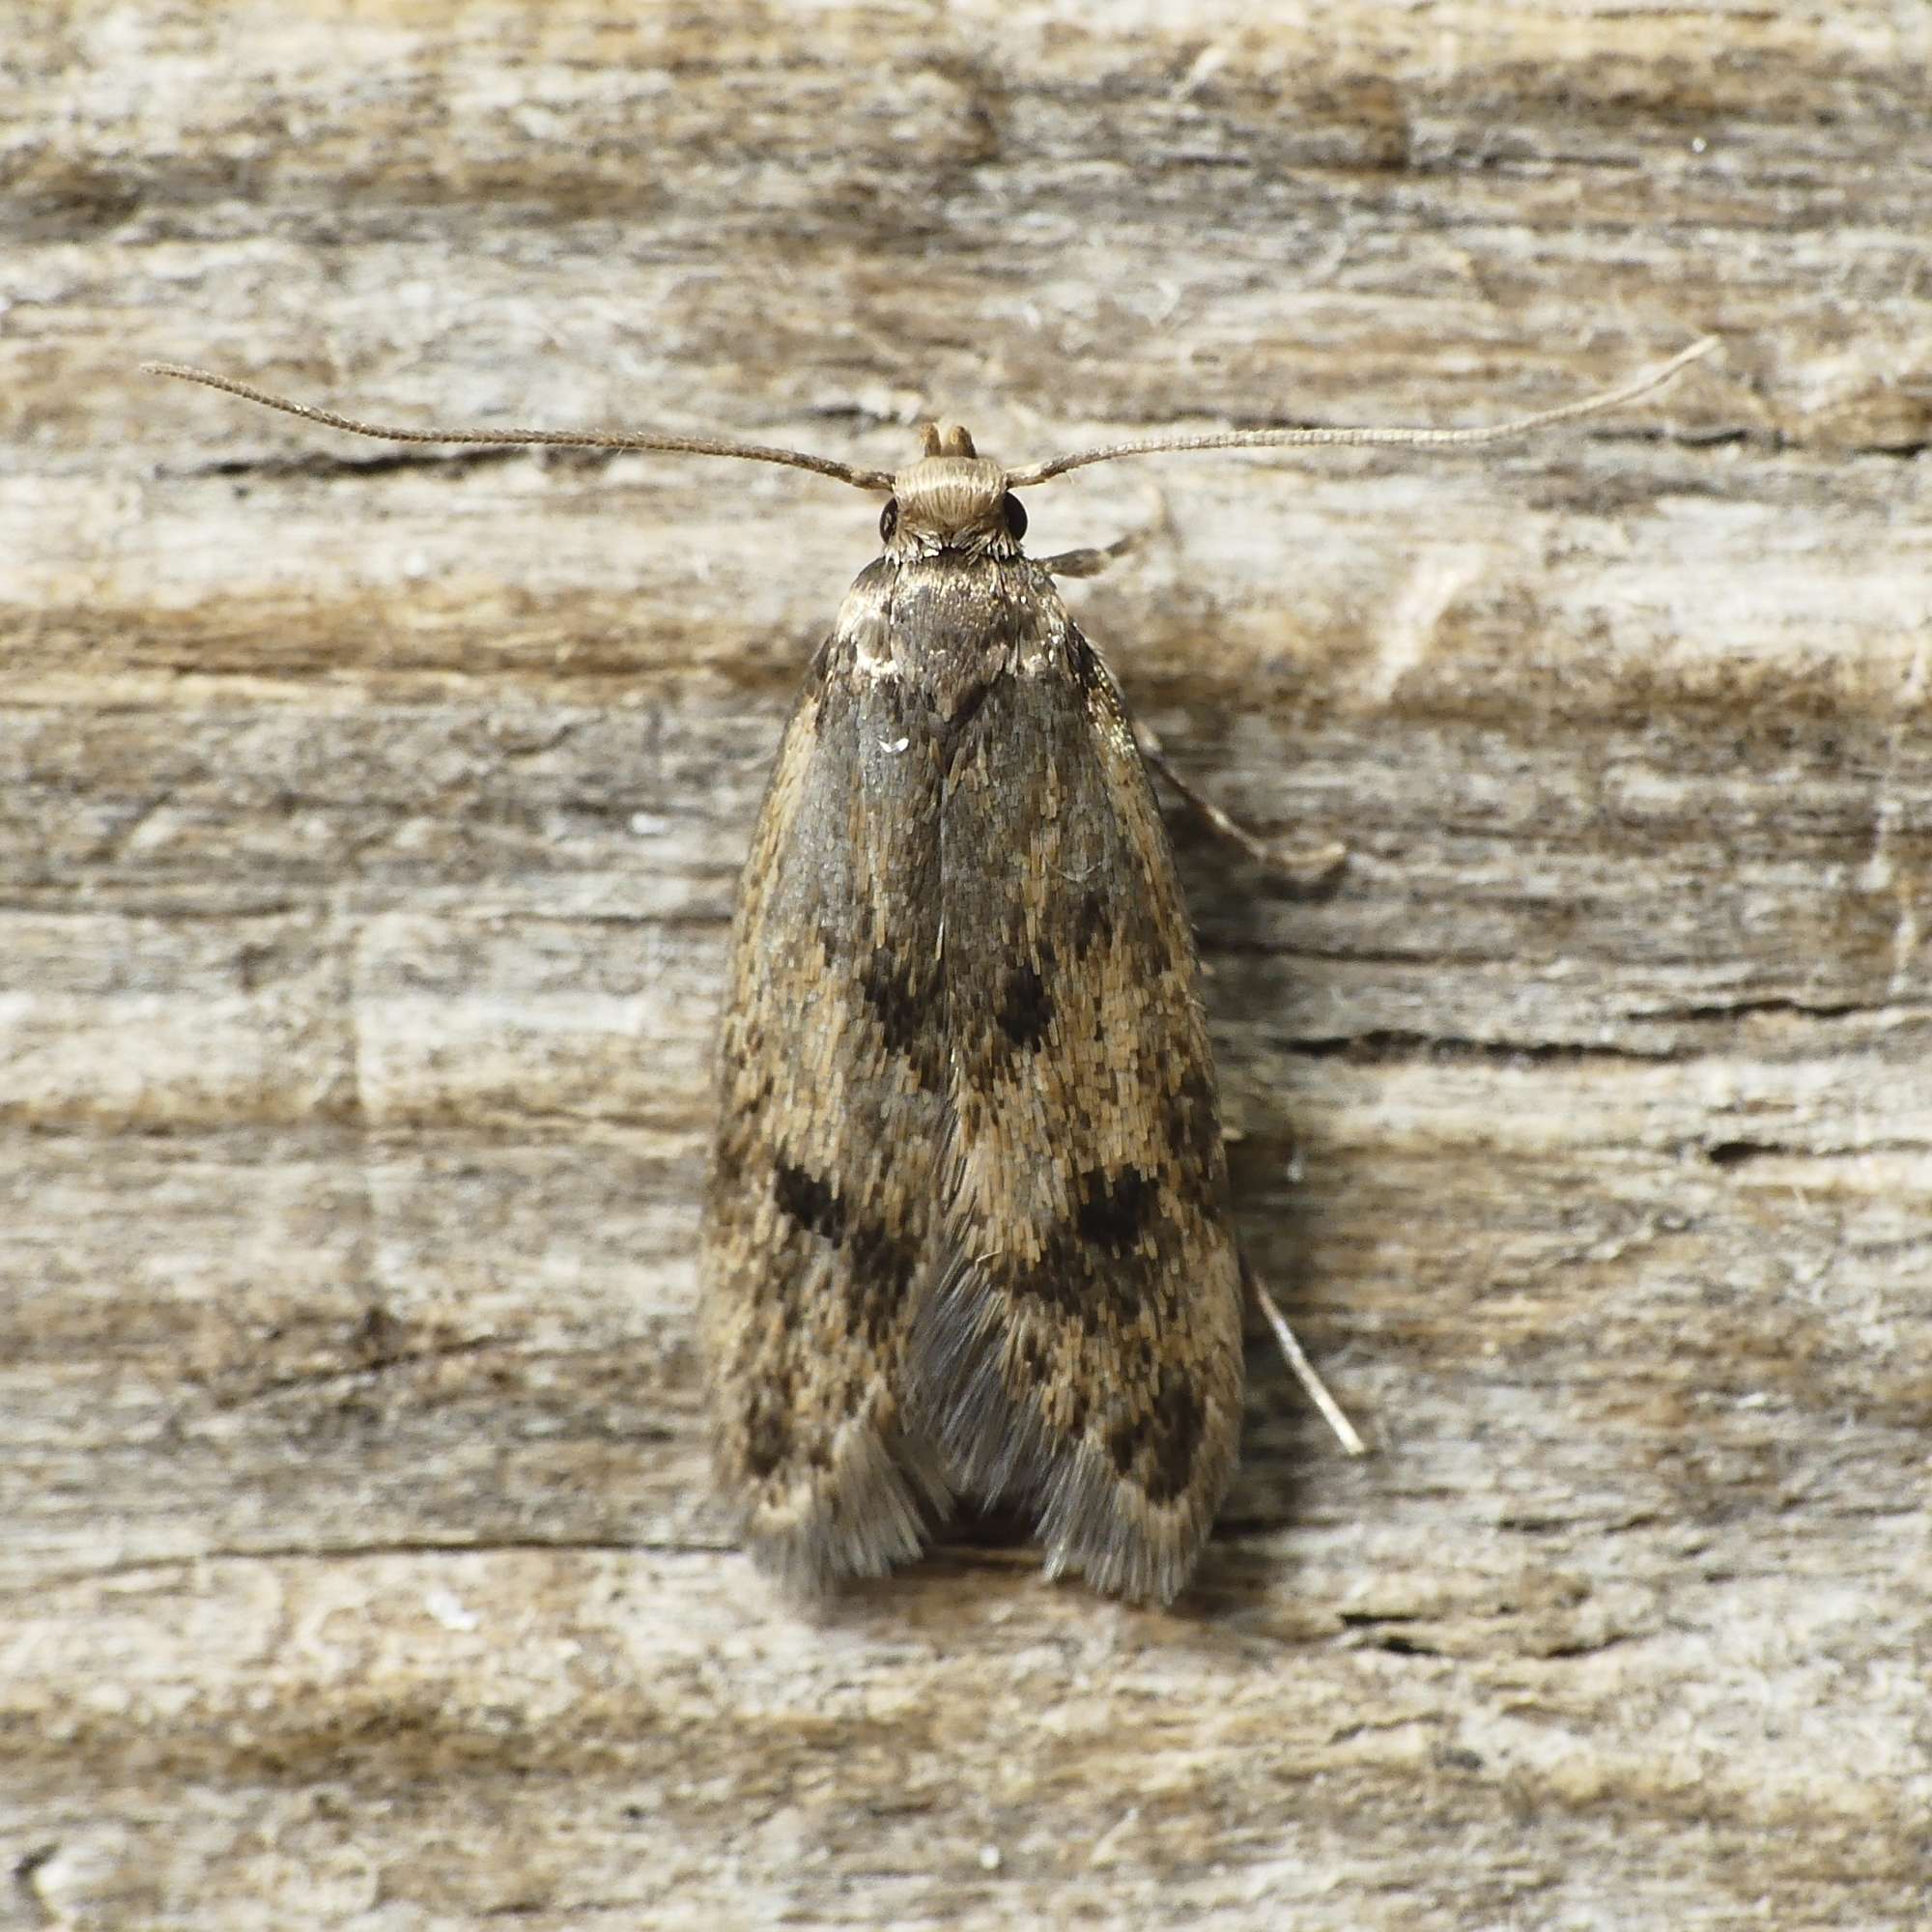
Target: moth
column 967, row 1233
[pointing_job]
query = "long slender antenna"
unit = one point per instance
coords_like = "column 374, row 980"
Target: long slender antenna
column 883, row 480
column 1274, row 439
column 555, row 439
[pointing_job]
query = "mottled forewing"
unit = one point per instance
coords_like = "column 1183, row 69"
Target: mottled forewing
column 831, row 1082
column 1080, row 1352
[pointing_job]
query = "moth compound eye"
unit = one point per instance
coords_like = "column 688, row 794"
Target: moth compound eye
column 1014, row 512
column 889, row 519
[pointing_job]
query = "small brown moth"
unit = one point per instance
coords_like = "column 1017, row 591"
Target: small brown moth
column 967, row 1230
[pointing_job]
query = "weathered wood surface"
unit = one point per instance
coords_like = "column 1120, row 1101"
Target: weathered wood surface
column 367, row 838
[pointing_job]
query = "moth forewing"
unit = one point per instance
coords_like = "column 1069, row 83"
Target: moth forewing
column 1081, row 1358
column 832, row 1132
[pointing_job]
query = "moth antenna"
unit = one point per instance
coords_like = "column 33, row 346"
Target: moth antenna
column 554, row 439
column 1274, row 439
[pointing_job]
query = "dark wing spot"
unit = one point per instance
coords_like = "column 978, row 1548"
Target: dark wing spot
column 882, row 1271
column 888, row 991
column 1092, row 921
column 1056, row 1282
column 1113, row 1210
column 767, row 1432
column 1157, row 1449
column 881, row 1263
column 1179, row 1419
column 1063, row 1280
column 903, row 1000
column 1080, row 1281
column 1095, row 1270
column 1122, row 915
column 809, row 1202
column 1194, row 1123
column 1026, row 1007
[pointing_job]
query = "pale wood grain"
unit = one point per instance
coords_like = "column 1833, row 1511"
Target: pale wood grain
column 369, row 829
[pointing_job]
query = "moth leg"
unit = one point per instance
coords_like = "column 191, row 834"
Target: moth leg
column 1303, row 1370
column 1092, row 562
column 1312, row 866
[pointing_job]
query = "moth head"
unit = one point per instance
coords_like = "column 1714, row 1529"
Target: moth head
column 953, row 499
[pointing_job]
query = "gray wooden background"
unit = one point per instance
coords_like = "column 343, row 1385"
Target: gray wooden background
column 368, row 830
